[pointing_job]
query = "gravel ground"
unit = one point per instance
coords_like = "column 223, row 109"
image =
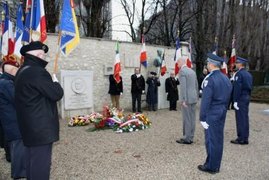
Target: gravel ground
column 154, row 154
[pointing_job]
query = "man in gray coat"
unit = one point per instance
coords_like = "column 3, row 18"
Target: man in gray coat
column 188, row 100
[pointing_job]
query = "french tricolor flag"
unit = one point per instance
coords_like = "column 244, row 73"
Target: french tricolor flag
column 7, row 36
column 233, row 56
column 224, row 68
column 38, row 21
column 163, row 67
column 177, row 55
column 143, row 54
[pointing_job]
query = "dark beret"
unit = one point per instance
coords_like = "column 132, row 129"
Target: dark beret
column 34, row 45
column 241, row 60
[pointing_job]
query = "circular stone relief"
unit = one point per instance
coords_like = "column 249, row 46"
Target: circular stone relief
column 78, row 85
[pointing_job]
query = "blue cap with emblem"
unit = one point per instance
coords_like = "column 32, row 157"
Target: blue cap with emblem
column 214, row 59
column 241, row 60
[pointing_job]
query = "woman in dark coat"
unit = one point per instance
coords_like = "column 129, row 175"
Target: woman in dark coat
column 115, row 90
column 152, row 94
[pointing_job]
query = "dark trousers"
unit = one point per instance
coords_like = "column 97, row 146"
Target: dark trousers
column 18, row 163
column 136, row 97
column 214, row 139
column 38, row 162
column 242, row 119
column 4, row 144
column 173, row 105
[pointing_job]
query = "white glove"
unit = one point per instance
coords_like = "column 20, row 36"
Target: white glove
column 167, row 93
column 236, row 106
column 54, row 78
column 143, row 92
column 121, row 93
column 204, row 124
column 138, row 75
column 200, row 91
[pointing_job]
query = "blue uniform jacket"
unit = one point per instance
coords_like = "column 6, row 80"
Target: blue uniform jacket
column 242, row 84
column 8, row 116
column 217, row 90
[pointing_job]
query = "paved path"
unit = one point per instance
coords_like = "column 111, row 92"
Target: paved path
column 154, row 154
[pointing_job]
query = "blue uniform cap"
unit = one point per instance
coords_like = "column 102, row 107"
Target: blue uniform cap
column 214, row 59
column 241, row 60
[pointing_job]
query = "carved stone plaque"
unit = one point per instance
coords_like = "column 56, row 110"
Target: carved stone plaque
column 78, row 89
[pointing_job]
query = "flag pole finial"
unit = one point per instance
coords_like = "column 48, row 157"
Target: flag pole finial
column 178, row 33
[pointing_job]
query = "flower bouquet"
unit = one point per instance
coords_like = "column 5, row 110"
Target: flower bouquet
column 134, row 122
column 79, row 120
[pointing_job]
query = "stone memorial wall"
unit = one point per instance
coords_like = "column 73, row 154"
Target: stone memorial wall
column 89, row 65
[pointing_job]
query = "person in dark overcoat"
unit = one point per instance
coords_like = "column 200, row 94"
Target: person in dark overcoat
column 36, row 96
column 152, row 93
column 3, row 143
column 137, row 89
column 115, row 90
column 8, row 120
column 171, row 89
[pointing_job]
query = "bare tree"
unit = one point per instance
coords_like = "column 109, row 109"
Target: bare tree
column 131, row 11
column 95, row 19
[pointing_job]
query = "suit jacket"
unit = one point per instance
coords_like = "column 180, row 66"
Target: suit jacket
column 188, row 86
column 138, row 84
column 171, row 88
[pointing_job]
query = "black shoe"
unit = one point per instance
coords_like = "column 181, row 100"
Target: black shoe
column 175, row 109
column 236, row 141
column 140, row 111
column 183, row 141
column 204, row 169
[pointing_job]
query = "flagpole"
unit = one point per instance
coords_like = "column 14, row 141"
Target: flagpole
column 57, row 53
column 2, row 21
column 31, row 21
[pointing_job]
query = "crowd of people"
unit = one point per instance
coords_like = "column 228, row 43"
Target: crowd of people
column 29, row 123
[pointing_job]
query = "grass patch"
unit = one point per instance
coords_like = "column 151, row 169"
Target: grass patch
column 260, row 94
